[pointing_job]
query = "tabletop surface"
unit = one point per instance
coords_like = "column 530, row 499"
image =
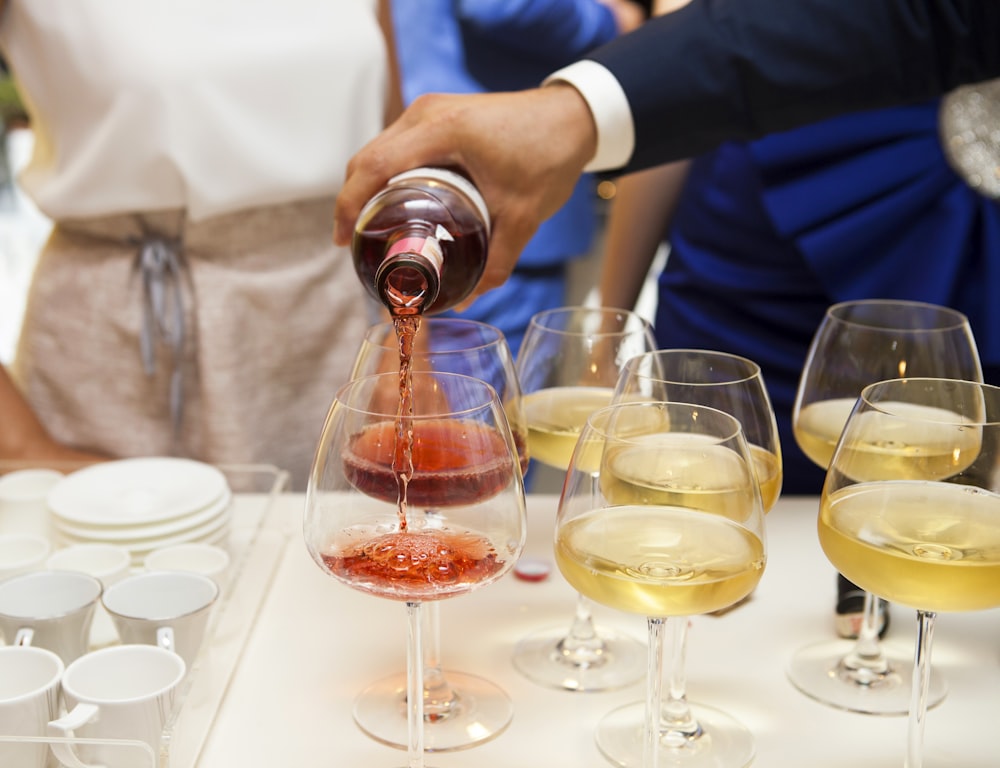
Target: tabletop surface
column 315, row 644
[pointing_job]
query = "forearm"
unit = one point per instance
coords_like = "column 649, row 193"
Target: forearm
column 640, row 215
column 23, row 437
column 394, row 94
column 20, row 429
column 566, row 28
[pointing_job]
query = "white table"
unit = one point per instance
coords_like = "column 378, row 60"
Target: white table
column 315, row 644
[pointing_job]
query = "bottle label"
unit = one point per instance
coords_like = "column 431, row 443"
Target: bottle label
column 456, row 180
column 428, row 247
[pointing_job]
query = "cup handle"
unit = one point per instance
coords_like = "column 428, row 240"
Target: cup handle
column 64, row 727
column 24, row 636
column 165, row 639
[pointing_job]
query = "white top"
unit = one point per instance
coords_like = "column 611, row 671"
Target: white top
column 209, row 105
column 609, row 108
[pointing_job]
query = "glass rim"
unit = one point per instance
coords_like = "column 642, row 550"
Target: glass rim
column 867, row 391
column 538, row 320
column 389, row 341
column 753, row 368
column 835, row 311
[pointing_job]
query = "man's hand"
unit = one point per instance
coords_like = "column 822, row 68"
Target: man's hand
column 524, row 150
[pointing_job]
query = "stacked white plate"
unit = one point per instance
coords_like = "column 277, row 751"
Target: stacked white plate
column 142, row 504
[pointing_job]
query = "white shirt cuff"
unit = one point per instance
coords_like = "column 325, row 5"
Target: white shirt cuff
column 609, row 107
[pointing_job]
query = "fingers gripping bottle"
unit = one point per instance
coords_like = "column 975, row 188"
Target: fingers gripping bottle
column 420, row 244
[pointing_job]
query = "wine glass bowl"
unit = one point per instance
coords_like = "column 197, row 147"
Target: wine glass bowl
column 567, row 366
column 452, row 345
column 727, row 382
column 376, row 470
column 461, row 709
column 461, row 463
column 858, row 343
column 911, row 507
column 673, row 527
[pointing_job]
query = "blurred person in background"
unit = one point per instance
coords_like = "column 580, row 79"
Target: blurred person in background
column 479, row 46
column 189, row 301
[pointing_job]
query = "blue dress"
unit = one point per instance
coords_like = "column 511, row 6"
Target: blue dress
column 768, row 234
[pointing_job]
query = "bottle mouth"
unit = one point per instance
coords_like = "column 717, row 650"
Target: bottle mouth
column 407, row 283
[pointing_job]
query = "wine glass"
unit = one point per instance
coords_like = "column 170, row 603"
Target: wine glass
column 860, row 342
column 460, row 709
column 673, row 527
column 734, row 385
column 568, row 366
column 911, row 507
column 379, row 466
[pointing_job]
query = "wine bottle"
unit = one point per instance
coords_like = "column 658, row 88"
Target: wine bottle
column 420, row 243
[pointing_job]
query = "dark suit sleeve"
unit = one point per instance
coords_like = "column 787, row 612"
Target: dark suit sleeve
column 718, row 70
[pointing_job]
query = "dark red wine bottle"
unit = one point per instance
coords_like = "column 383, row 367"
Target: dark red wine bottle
column 420, row 244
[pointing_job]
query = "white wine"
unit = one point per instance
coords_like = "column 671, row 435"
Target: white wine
column 555, row 418
column 928, row 545
column 818, row 426
column 931, row 446
column 659, row 561
column 679, row 469
column 769, row 475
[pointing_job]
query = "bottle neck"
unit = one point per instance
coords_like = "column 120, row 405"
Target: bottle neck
column 409, row 278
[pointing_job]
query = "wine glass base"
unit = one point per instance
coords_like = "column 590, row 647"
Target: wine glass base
column 721, row 742
column 819, row 672
column 544, row 659
column 477, row 712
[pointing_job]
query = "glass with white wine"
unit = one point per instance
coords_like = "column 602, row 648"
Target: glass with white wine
column 734, row 385
column 911, row 508
column 568, row 367
column 860, row 342
column 674, row 527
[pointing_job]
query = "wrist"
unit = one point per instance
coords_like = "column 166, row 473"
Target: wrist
column 608, row 109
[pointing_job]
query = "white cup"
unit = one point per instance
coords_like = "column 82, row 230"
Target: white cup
column 49, row 609
column 197, row 557
column 29, row 699
column 22, row 553
column 170, row 609
column 119, row 699
column 23, row 507
column 109, row 563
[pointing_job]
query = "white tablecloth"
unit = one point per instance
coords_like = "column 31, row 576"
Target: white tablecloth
column 316, row 644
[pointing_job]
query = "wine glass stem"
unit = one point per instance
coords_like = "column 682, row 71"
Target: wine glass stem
column 440, row 699
column 868, row 642
column 866, row 663
column 582, row 646
column 654, row 692
column 414, row 688
column 677, row 724
column 918, row 696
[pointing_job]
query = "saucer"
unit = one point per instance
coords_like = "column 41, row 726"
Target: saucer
column 140, row 491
